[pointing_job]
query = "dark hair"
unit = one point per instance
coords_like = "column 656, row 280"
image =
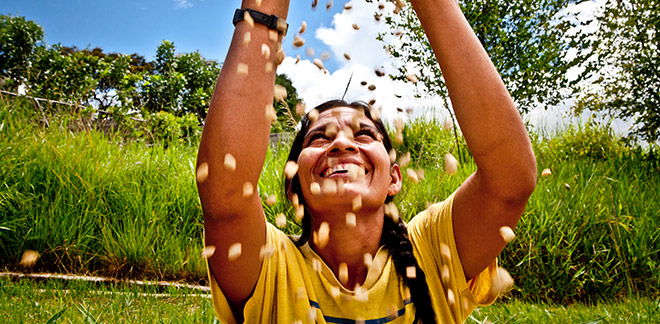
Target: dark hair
column 394, row 236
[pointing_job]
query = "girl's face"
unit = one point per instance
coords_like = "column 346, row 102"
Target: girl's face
column 343, row 148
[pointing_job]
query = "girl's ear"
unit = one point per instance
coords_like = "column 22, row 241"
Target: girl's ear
column 395, row 180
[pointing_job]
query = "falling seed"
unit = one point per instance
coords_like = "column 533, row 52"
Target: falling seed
column 371, row 87
column 392, row 212
column 503, row 281
column 300, row 294
column 372, row 102
column 280, row 220
column 314, row 3
column 230, row 162
column 451, row 164
column 348, row 6
column 297, row 58
column 404, row 160
column 298, row 41
column 300, row 108
column 324, row 235
column 311, row 315
column 315, row 188
column 545, row 173
column 445, row 276
column 450, row 298
column 280, row 56
column 29, row 258
column 208, row 251
column 324, row 56
column 335, row 292
column 246, row 39
column 265, row 51
column 507, row 233
column 398, row 138
column 329, row 187
column 357, row 203
column 356, row 27
column 351, row 220
column 400, row 3
column 412, row 175
column 377, row 17
column 360, row 293
column 317, row 265
column 313, row 115
column 379, row 72
column 348, row 132
column 300, row 212
column 248, row 18
column 248, row 190
column 303, row 27
column 318, row 64
column 381, row 6
column 368, row 259
column 364, row 83
column 341, row 187
column 273, row 35
column 343, row 273
column 445, row 251
column 420, row 174
column 392, row 156
column 271, row 200
column 266, row 251
column 392, row 312
column 242, row 69
column 412, row 78
column 328, row 5
column 202, row 172
column 411, row 272
column 290, row 170
column 347, row 57
column 309, row 51
column 567, row 186
column 234, row 251
column 279, row 93
column 271, row 114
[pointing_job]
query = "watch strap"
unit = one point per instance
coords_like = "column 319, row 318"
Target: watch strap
column 270, row 21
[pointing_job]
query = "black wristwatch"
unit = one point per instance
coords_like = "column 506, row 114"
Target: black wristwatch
column 271, row 21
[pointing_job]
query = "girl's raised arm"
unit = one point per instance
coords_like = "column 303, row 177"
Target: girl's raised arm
column 497, row 193
column 232, row 152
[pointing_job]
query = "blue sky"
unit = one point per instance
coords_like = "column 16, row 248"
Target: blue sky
column 129, row 26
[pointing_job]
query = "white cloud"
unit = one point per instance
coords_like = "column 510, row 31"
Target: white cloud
column 367, row 54
column 183, row 4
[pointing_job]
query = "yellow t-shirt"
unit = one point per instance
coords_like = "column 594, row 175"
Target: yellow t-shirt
column 295, row 286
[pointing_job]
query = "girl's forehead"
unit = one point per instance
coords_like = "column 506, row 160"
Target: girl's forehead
column 342, row 115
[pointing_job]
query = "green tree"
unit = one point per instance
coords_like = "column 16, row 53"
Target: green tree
column 179, row 84
column 287, row 118
column 18, row 40
column 625, row 60
column 526, row 40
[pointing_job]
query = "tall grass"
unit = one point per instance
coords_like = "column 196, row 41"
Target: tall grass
column 90, row 203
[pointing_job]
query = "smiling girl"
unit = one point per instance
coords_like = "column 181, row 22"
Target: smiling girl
column 355, row 262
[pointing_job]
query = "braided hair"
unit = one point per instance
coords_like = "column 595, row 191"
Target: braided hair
column 395, row 234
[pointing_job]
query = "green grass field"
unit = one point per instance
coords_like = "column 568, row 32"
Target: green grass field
column 91, row 203
column 27, row 301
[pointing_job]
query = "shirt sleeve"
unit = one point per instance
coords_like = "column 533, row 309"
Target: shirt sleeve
column 274, row 296
column 432, row 235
